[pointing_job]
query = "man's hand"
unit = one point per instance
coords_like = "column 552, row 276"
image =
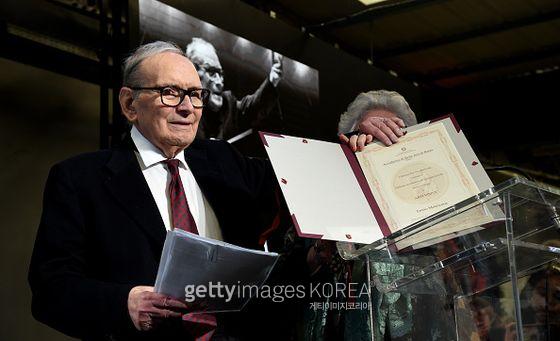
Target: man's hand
column 147, row 308
column 276, row 70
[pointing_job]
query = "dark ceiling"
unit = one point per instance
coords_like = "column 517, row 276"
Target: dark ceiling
column 493, row 63
column 436, row 43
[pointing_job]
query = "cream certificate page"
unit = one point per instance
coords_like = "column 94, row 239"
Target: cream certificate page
column 420, row 175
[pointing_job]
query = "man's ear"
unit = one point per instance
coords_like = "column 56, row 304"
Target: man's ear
column 126, row 100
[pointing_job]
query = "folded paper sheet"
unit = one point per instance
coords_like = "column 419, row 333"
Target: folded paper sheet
column 211, row 275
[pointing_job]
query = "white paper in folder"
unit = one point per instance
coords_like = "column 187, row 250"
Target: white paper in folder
column 210, row 274
column 321, row 190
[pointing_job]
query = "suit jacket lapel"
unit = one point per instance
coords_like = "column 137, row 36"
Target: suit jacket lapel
column 128, row 185
column 205, row 171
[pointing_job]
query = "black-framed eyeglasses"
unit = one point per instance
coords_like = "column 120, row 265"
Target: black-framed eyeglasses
column 172, row 96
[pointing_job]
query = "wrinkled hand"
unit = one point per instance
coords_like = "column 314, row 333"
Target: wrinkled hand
column 147, row 308
column 356, row 142
column 385, row 129
column 276, row 70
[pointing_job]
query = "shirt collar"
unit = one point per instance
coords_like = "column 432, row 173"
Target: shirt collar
column 148, row 153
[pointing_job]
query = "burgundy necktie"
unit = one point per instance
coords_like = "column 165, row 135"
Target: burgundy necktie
column 181, row 217
column 202, row 326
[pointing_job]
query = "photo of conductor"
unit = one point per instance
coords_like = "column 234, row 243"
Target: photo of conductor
column 227, row 117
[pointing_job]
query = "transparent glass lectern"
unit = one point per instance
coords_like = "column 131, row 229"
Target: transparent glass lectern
column 495, row 281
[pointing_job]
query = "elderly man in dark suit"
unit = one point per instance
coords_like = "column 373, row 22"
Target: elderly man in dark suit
column 106, row 213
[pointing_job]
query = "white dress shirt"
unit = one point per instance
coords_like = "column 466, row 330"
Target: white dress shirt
column 158, row 178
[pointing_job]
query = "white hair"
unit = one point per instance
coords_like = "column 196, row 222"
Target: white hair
column 194, row 46
column 380, row 99
column 131, row 76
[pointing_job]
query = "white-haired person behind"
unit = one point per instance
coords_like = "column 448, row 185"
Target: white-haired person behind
column 402, row 316
column 378, row 114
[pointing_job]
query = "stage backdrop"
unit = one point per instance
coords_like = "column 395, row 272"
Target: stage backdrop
column 245, row 66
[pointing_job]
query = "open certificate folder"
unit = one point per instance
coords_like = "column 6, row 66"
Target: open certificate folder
column 211, row 275
column 334, row 193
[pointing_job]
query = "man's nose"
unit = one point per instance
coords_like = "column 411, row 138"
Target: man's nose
column 186, row 106
column 217, row 78
column 219, row 83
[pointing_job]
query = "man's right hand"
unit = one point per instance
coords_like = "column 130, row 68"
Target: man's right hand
column 147, row 308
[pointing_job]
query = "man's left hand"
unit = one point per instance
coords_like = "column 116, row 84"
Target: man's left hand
column 147, row 308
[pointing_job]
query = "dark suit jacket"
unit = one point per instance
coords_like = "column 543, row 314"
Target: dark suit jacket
column 101, row 233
